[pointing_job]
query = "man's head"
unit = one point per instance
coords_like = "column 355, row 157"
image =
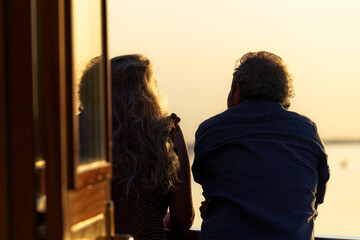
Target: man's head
column 261, row 75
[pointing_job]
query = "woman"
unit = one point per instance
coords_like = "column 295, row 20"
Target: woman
column 149, row 176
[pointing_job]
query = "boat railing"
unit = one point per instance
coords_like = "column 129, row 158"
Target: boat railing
column 193, row 234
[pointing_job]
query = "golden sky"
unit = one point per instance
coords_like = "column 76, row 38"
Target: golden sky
column 195, row 44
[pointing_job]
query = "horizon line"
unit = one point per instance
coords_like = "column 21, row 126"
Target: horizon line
column 326, row 141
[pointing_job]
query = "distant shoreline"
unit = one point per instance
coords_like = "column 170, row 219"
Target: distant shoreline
column 341, row 141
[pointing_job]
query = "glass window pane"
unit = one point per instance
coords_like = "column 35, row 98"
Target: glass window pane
column 89, row 80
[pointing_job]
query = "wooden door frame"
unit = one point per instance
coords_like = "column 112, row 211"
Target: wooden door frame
column 3, row 133
column 17, row 185
column 52, row 56
column 17, row 131
column 17, row 114
column 56, row 80
column 80, row 189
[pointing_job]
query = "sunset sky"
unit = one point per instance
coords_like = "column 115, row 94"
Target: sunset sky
column 194, row 46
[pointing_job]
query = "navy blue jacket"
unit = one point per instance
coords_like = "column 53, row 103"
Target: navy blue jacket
column 264, row 171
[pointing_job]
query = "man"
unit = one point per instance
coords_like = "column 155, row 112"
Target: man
column 263, row 168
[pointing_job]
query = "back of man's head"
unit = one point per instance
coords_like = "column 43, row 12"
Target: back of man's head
column 263, row 75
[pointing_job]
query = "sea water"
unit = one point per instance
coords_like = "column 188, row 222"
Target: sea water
column 340, row 212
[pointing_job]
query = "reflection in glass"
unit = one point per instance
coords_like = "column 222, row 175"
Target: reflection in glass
column 39, row 159
column 40, row 176
column 92, row 126
column 89, row 83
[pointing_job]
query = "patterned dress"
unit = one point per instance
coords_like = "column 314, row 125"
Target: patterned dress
column 141, row 214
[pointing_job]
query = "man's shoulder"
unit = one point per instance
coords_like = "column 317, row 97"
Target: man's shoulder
column 258, row 113
column 300, row 117
column 215, row 120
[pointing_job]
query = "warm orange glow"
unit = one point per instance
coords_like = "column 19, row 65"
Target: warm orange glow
column 194, row 46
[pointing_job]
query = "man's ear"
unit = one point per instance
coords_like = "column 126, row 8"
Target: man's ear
column 236, row 95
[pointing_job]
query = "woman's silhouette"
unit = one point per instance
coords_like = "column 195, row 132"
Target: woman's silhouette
column 150, row 158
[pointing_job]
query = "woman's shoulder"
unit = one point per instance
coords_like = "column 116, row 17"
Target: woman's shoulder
column 175, row 125
column 175, row 117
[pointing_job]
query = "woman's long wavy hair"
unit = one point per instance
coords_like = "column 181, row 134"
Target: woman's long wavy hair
column 88, row 89
column 143, row 152
column 263, row 75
